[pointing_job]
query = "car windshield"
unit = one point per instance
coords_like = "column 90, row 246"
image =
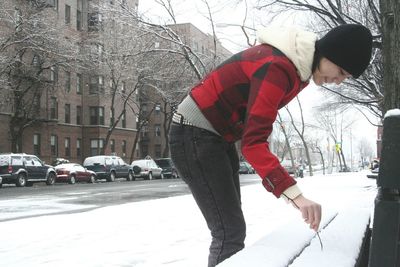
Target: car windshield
column 94, row 161
column 4, row 160
column 163, row 162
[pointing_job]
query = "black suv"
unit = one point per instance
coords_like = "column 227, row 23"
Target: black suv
column 109, row 167
column 23, row 170
column 168, row 167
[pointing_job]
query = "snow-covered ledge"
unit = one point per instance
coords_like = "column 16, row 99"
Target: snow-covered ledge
column 296, row 245
column 392, row 112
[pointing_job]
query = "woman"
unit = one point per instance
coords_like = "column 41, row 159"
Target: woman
column 239, row 100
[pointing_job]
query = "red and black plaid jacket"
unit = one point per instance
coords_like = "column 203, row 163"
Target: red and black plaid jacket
column 241, row 99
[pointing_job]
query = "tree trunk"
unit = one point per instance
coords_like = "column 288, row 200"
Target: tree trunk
column 390, row 10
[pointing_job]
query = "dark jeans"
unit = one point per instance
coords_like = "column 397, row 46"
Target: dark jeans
column 210, row 166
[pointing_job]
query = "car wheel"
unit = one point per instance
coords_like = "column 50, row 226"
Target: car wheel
column 112, row 177
column 51, row 179
column 92, row 179
column 21, row 180
column 72, row 179
column 130, row 176
column 150, row 176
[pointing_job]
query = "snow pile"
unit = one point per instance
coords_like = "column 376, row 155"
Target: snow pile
column 392, row 112
column 172, row 231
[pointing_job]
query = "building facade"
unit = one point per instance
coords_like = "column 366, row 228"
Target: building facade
column 74, row 107
column 76, row 94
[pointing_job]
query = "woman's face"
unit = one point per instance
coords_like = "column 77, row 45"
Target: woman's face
column 329, row 72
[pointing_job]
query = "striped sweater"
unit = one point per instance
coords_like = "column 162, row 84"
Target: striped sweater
column 241, row 98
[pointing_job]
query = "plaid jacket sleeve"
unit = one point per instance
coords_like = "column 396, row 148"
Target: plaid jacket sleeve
column 270, row 83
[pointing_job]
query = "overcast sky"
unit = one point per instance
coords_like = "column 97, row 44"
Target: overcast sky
column 226, row 16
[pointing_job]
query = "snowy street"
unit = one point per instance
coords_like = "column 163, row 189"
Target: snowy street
column 172, row 232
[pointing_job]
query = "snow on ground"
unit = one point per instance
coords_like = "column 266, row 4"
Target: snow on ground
column 172, row 232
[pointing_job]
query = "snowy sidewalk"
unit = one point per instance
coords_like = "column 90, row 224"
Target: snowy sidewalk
column 341, row 232
column 171, row 232
column 296, row 245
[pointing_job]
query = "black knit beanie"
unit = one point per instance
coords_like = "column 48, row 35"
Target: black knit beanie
column 348, row 46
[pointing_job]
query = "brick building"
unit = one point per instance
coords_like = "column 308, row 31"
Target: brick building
column 73, row 108
column 74, row 105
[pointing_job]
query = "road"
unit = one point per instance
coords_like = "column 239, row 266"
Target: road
column 39, row 200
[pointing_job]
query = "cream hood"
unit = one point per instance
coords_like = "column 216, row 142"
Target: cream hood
column 296, row 44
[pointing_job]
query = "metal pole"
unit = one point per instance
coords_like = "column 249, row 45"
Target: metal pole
column 385, row 242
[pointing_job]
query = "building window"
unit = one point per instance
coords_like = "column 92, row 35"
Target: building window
column 94, row 21
column 67, row 145
column 157, row 151
column 53, row 74
column 79, row 20
column 78, row 115
column 123, row 87
column 79, row 83
column 53, row 108
column 96, row 84
column 112, row 117
column 36, row 144
column 157, row 109
column 67, row 81
column 145, row 150
column 157, row 129
column 36, row 105
column 67, row 14
column 123, row 148
column 144, row 108
column 52, row 3
column 100, row 51
column 67, row 113
column 112, row 145
column 54, row 145
column 123, row 120
column 145, row 130
column 96, row 145
column 36, row 61
column 96, row 116
column 78, row 148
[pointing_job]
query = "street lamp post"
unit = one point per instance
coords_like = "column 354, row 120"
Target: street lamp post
column 385, row 242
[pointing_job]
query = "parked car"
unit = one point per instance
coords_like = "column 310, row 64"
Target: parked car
column 148, row 169
column 245, row 167
column 74, row 172
column 23, row 170
column 59, row 161
column 168, row 167
column 290, row 168
column 109, row 167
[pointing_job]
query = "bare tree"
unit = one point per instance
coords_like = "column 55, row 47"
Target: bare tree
column 365, row 150
column 32, row 50
column 391, row 53
column 175, row 64
column 287, row 148
column 300, row 130
column 335, row 122
column 367, row 91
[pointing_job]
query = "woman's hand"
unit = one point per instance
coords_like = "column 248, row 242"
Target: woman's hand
column 310, row 211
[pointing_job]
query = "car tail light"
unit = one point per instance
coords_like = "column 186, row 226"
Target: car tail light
column 10, row 169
